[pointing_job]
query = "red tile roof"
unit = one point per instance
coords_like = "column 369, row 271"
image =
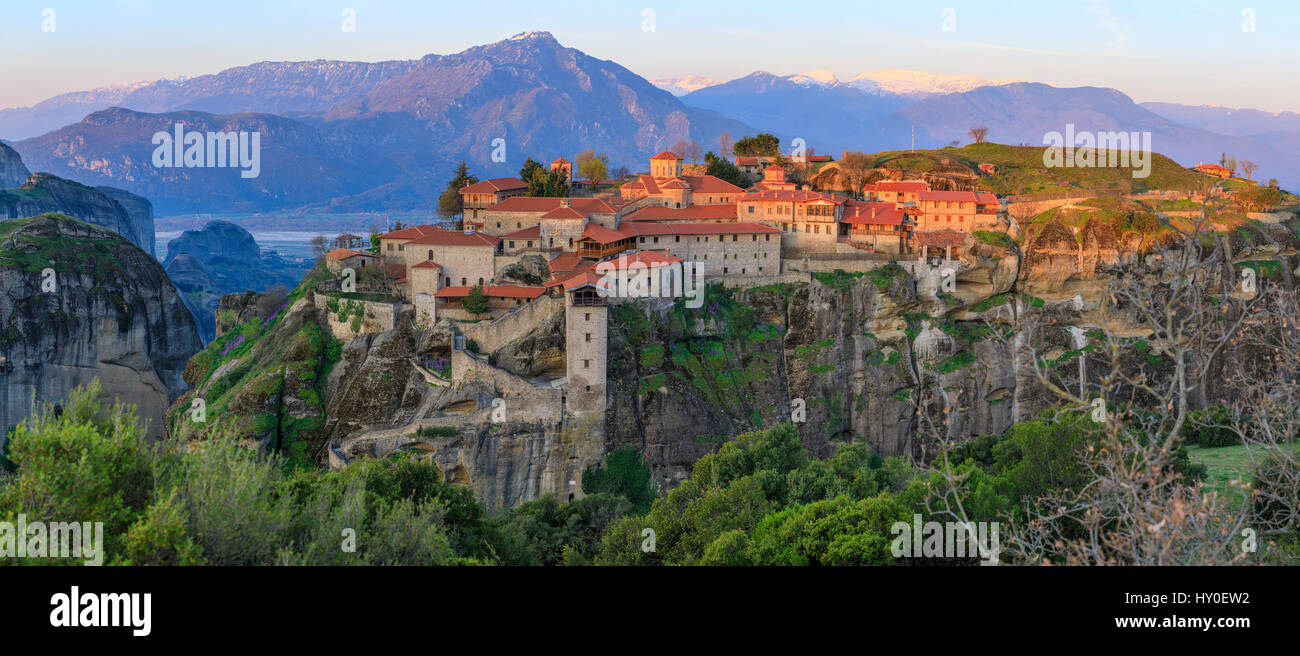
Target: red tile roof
column 941, row 238
column 581, row 280
column 602, row 235
column 775, row 167
column 746, row 161
column 700, row 184
column 540, row 204
column 901, row 186
column 662, row 213
column 345, row 253
column 647, row 258
column 493, row 185
column 675, row 183
column 667, row 155
column 860, row 213
column 564, row 213
column 534, row 232
column 494, row 291
column 792, row 196
column 648, row 229
column 961, row 196
column 454, row 238
column 427, row 264
column 564, row 263
column 409, row 233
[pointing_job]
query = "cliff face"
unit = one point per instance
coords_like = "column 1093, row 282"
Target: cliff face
column 108, row 312
column 12, row 170
column 132, row 217
column 222, row 258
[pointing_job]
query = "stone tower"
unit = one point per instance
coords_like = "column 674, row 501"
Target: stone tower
column 666, row 165
column 586, row 328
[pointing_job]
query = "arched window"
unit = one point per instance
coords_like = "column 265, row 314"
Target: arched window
column 463, row 282
column 480, row 282
column 431, row 254
column 448, row 283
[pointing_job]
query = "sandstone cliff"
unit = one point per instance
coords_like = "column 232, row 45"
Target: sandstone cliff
column 81, row 302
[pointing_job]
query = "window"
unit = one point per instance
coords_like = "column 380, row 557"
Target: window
column 643, row 240
column 463, row 282
column 448, row 284
column 588, row 336
column 767, row 237
column 390, row 247
column 677, row 238
column 724, row 269
column 735, row 238
column 401, row 246
column 518, row 224
column 431, row 255
column 750, row 208
column 656, row 240
column 586, row 316
column 586, row 364
column 480, row 282
column 512, row 244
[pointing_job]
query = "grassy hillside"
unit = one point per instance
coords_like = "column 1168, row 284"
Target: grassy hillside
column 1020, row 170
column 263, row 379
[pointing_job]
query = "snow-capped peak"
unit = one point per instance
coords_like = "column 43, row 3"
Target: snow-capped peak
column 818, row 76
column 893, row 80
column 680, row 86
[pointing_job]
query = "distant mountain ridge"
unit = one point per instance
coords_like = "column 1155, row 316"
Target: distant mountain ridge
column 389, row 137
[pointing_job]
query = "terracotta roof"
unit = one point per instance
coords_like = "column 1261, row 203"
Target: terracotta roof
column 494, row 291
column 534, row 232
column 427, row 264
column 558, row 276
column 984, row 197
column 941, row 238
column 961, row 196
column 493, row 185
column 775, row 167
column 560, row 160
column 899, row 185
column 409, row 233
column 540, row 204
column 565, row 262
column 860, row 213
column 667, row 155
column 675, row 183
column 647, row 228
column 793, row 196
column 647, row 258
column 581, row 280
column 602, row 235
column 454, row 238
column 564, row 213
column 661, row 213
column 705, row 184
column 818, row 158
column 345, row 253
column 746, row 161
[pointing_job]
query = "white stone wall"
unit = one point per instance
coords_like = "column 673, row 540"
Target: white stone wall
column 736, row 254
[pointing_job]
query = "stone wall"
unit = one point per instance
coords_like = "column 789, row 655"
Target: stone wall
column 377, row 316
column 505, row 328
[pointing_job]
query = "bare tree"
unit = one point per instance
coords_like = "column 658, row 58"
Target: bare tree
column 694, row 152
column 855, row 167
column 319, row 246
column 1248, row 168
column 979, row 133
column 681, row 148
column 726, row 145
column 1196, row 325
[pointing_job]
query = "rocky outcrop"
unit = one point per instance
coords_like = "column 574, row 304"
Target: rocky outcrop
column 42, row 193
column 223, row 258
column 81, row 302
column 12, row 170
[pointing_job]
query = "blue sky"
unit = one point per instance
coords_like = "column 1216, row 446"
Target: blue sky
column 1190, row 52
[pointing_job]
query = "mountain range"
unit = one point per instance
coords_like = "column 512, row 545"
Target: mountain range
column 352, row 136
